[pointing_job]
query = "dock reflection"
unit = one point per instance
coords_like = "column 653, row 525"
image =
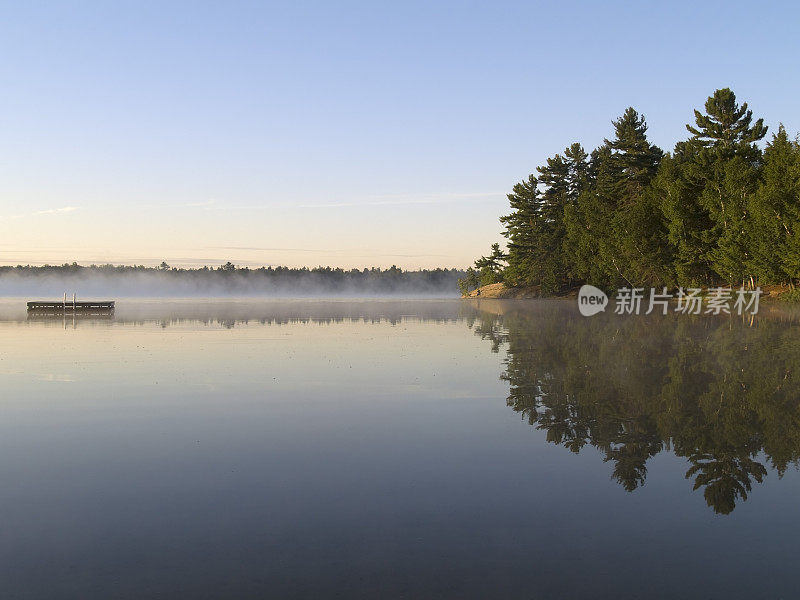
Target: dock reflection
column 234, row 313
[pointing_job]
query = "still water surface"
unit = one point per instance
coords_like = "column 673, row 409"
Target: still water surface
column 435, row 449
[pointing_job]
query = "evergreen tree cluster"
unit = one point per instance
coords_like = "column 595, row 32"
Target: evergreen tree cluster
column 716, row 210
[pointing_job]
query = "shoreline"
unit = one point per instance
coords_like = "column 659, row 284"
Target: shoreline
column 500, row 291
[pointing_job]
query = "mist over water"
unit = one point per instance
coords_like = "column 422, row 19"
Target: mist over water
column 231, row 312
column 111, row 282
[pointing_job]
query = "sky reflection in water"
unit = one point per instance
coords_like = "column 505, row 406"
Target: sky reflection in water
column 376, row 449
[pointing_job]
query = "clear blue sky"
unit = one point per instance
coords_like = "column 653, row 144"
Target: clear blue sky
column 351, row 134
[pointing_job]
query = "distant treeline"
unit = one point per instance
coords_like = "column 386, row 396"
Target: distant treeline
column 716, row 210
column 225, row 280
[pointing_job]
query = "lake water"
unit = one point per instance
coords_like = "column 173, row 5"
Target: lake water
column 389, row 449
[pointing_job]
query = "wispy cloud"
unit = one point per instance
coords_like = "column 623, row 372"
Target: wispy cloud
column 53, row 211
column 56, row 378
column 265, row 249
column 376, row 200
column 415, row 255
column 49, row 211
column 327, row 251
column 196, row 204
column 207, row 204
column 405, row 199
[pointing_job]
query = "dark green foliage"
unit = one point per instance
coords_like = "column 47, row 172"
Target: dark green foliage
column 536, row 228
column 523, row 230
column 589, row 223
column 725, row 172
column 634, row 159
column 469, row 282
column 634, row 244
column 563, row 178
column 487, row 270
column 775, row 211
column 717, row 210
column 690, row 233
column 726, row 127
column 612, row 234
column 490, row 268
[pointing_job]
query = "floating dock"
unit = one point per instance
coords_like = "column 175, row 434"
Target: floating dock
column 61, row 308
column 105, row 305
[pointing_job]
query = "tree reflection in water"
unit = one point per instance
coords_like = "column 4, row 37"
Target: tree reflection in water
column 720, row 391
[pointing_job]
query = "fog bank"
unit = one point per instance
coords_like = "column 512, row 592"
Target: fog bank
column 113, row 282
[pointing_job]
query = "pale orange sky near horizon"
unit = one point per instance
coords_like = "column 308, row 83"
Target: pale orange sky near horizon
column 410, row 233
column 345, row 134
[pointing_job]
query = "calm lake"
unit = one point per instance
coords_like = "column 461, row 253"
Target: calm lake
column 397, row 449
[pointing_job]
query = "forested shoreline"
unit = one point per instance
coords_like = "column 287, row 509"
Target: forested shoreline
column 225, row 280
column 717, row 210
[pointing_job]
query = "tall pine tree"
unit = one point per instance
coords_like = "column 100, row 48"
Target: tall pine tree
column 613, row 234
column 726, row 170
column 639, row 233
column 536, row 229
column 523, row 228
column 775, row 212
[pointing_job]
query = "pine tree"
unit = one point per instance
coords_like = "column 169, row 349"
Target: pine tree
column 635, row 159
column 726, row 128
column 562, row 179
column 775, row 211
column 469, row 282
column 587, row 225
column 490, row 268
column 726, row 170
column 523, row 226
column 536, row 229
column 639, row 234
column 689, row 226
column 614, row 234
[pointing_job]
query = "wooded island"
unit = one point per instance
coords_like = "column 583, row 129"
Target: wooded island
column 717, row 210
